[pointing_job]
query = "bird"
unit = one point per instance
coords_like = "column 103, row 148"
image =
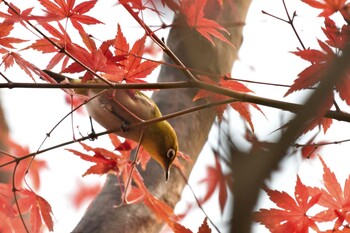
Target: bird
column 115, row 108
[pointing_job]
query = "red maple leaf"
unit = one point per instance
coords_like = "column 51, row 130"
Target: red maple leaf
column 60, row 37
column 292, row 217
column 6, row 196
column 39, row 209
column 97, row 59
column 105, row 160
column 337, row 37
column 75, row 103
column 162, row 210
column 128, row 145
column 23, row 167
column 135, row 4
column 5, row 40
column 134, row 69
column 178, row 228
column 172, row 4
column 217, row 179
column 320, row 61
column 204, row 228
column 345, row 12
column 328, row 6
column 84, row 193
column 343, row 88
column 16, row 15
column 11, row 58
column 62, row 9
column 311, row 75
column 334, row 198
column 227, row 82
column 311, row 148
column 194, row 12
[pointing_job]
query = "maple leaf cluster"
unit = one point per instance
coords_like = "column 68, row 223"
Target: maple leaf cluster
column 226, row 81
column 28, row 201
column 119, row 164
column 321, row 59
column 113, row 57
column 329, row 204
column 310, row 205
column 115, row 60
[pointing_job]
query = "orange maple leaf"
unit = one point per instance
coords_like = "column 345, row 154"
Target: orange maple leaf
column 217, row 179
column 227, row 82
column 336, row 37
column 60, row 37
column 6, row 196
column 292, row 215
column 97, row 59
column 84, row 192
column 5, row 40
column 105, row 160
column 16, row 15
column 11, row 58
column 39, row 209
column 194, row 12
column 75, row 102
column 328, row 6
column 162, row 210
column 311, row 148
column 66, row 9
column 33, row 171
column 204, row 228
column 311, row 75
column 335, row 199
column 134, row 69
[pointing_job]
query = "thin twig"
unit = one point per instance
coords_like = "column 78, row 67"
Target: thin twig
column 134, row 163
column 14, row 190
column 297, row 145
column 160, row 42
column 197, row 201
column 291, row 23
column 135, row 125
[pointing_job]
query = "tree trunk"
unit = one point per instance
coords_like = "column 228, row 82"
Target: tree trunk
column 5, row 176
column 192, row 129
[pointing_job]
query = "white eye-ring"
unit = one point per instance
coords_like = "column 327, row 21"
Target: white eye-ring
column 171, row 154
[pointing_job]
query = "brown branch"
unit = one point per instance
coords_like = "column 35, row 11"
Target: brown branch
column 241, row 96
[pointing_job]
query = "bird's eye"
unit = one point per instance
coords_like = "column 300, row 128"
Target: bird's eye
column 171, row 154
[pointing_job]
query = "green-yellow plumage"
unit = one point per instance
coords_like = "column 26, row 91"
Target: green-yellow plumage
column 114, row 108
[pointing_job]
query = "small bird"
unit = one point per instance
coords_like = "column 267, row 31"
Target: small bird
column 115, row 108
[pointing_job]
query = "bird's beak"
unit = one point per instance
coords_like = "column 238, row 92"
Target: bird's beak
column 167, row 171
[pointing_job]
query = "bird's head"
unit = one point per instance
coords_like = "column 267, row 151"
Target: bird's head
column 160, row 141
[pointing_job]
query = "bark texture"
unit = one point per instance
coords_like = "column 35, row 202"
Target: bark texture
column 192, row 129
column 4, row 133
